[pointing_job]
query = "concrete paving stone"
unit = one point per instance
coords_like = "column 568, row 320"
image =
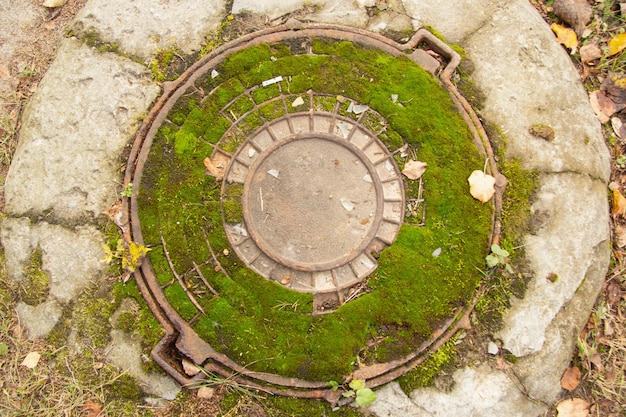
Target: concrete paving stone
column 125, row 352
column 569, row 218
column 70, row 257
column 19, row 243
column 528, row 79
column 541, row 372
column 39, row 320
column 454, row 20
column 74, row 129
column 475, row 392
column 142, row 27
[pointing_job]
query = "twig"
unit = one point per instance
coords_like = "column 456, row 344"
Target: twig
column 178, row 278
column 197, row 268
column 261, row 197
column 206, row 239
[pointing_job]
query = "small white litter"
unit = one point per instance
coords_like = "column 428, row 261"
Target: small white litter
column 273, row 172
column 437, row 252
column 214, row 74
column 272, row 81
column 367, row 178
column 297, row 102
column 347, row 204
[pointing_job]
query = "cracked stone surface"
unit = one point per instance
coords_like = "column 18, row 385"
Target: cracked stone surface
column 73, row 130
column 141, row 28
column 87, row 108
column 476, row 392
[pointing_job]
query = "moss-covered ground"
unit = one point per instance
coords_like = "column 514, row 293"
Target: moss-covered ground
column 257, row 322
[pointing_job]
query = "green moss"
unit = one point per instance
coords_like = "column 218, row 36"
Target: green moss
column 35, row 290
column 91, row 318
column 166, row 65
column 233, row 210
column 260, row 323
column 424, row 374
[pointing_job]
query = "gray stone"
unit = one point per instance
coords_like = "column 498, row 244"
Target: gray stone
column 142, row 27
column 541, row 372
column 71, row 258
column 454, row 20
column 570, row 220
column 125, row 353
column 19, row 243
column 529, row 79
column 73, row 130
column 477, row 392
column 39, row 320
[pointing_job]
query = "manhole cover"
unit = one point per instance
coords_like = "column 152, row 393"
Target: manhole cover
column 288, row 249
column 320, row 196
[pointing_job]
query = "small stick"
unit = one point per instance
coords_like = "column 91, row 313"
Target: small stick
column 206, row 239
column 261, row 197
column 197, row 268
column 178, row 278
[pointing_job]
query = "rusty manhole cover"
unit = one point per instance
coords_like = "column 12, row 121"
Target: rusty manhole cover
column 320, row 196
column 286, row 250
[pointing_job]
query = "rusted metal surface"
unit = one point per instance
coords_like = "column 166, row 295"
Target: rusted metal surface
column 180, row 340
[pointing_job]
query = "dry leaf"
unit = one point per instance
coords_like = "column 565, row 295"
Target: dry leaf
column 205, row 392
column 619, row 203
column 190, row 368
column 596, row 359
column 619, row 127
column 502, row 364
column 602, row 105
column 620, row 236
column 573, row 407
column 481, row 186
column 617, row 44
column 576, row 13
column 565, row 36
column 414, row 169
column 590, row 52
column 92, row 408
column 217, row 172
column 31, row 360
column 571, row 378
column 614, row 293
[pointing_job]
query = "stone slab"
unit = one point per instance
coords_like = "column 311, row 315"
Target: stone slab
column 454, row 20
column 39, row 320
column 142, row 27
column 475, row 392
column 125, row 352
column 74, row 129
column 70, row 257
column 529, row 79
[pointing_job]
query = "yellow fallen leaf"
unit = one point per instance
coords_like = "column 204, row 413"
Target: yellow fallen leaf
column 617, row 44
column 565, row 36
column 619, row 203
column 482, row 186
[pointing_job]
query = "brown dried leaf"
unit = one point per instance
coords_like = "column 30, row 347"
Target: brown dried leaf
column 414, row 169
column 576, row 13
column 571, row 378
column 217, row 172
column 590, row 52
column 602, row 105
column 614, row 87
column 620, row 236
column 92, row 408
column 190, row 368
column 573, row 407
column 205, row 393
column 614, row 293
column 619, row 127
column 596, row 359
column 482, row 186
